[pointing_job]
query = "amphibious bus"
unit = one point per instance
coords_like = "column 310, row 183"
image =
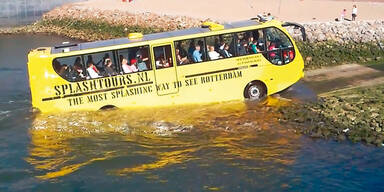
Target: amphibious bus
column 213, row 63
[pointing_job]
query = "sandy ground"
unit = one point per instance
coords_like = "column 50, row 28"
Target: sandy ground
column 231, row 10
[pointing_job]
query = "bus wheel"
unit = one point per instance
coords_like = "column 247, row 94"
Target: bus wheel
column 255, row 90
column 108, row 107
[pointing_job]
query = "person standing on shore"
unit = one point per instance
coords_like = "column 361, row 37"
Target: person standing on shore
column 354, row 12
column 343, row 13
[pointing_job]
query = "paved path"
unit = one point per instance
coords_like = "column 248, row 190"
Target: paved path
column 325, row 81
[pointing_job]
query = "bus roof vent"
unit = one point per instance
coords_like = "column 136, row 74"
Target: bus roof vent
column 135, row 35
column 212, row 26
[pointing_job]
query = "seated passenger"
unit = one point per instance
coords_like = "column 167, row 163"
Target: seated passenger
column 196, row 56
column 92, row 71
column 213, row 55
column 180, row 59
column 162, row 63
column 78, row 72
column 125, row 66
column 271, row 46
column 63, row 72
column 56, row 65
column 254, row 48
column 133, row 65
column 241, row 47
column 226, row 52
column 142, row 66
column 109, row 71
column 191, row 49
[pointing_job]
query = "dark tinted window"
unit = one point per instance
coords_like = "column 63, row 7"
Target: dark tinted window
column 70, row 68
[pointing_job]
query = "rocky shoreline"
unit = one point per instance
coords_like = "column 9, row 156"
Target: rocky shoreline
column 353, row 114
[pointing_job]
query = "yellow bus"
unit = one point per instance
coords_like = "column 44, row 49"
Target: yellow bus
column 213, row 63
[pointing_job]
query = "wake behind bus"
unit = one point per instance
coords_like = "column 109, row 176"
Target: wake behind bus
column 213, row 63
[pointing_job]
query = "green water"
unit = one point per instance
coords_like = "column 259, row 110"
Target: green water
column 233, row 146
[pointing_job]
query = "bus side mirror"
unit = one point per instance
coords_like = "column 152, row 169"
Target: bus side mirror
column 296, row 26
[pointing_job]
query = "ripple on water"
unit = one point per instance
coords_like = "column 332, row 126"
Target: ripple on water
column 234, row 133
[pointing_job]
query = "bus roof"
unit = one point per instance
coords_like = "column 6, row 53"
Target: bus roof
column 149, row 37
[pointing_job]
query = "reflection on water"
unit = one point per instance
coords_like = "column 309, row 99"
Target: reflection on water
column 64, row 143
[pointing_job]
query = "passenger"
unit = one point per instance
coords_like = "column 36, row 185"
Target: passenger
column 93, row 71
column 162, row 63
column 197, row 54
column 183, row 52
column 125, row 66
column 241, row 47
column 109, row 71
column 133, row 67
column 56, row 65
column 63, row 72
column 180, row 59
column 254, row 48
column 226, row 52
column 217, row 45
column 78, row 70
column 139, row 54
column 250, row 43
column 202, row 51
column 90, row 59
column 141, row 65
column 191, row 49
column 213, row 55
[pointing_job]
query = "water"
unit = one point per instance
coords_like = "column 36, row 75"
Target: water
column 234, row 146
column 20, row 12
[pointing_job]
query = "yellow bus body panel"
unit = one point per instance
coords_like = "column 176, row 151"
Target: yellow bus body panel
column 206, row 82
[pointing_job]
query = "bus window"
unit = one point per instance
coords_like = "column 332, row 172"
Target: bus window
column 190, row 51
column 134, row 59
column 241, row 44
column 70, row 68
column 163, row 56
column 220, row 46
column 250, row 42
column 100, row 64
column 280, row 50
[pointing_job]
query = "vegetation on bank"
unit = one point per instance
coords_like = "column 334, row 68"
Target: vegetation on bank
column 93, row 30
column 355, row 114
column 328, row 53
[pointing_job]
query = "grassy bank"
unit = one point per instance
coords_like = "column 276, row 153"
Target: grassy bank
column 86, row 30
column 322, row 54
column 355, row 114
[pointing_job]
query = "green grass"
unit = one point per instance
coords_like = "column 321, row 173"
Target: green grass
column 102, row 28
column 332, row 53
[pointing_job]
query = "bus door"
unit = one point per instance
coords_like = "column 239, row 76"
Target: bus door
column 165, row 69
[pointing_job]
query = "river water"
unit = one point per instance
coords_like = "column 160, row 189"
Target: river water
column 234, row 146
